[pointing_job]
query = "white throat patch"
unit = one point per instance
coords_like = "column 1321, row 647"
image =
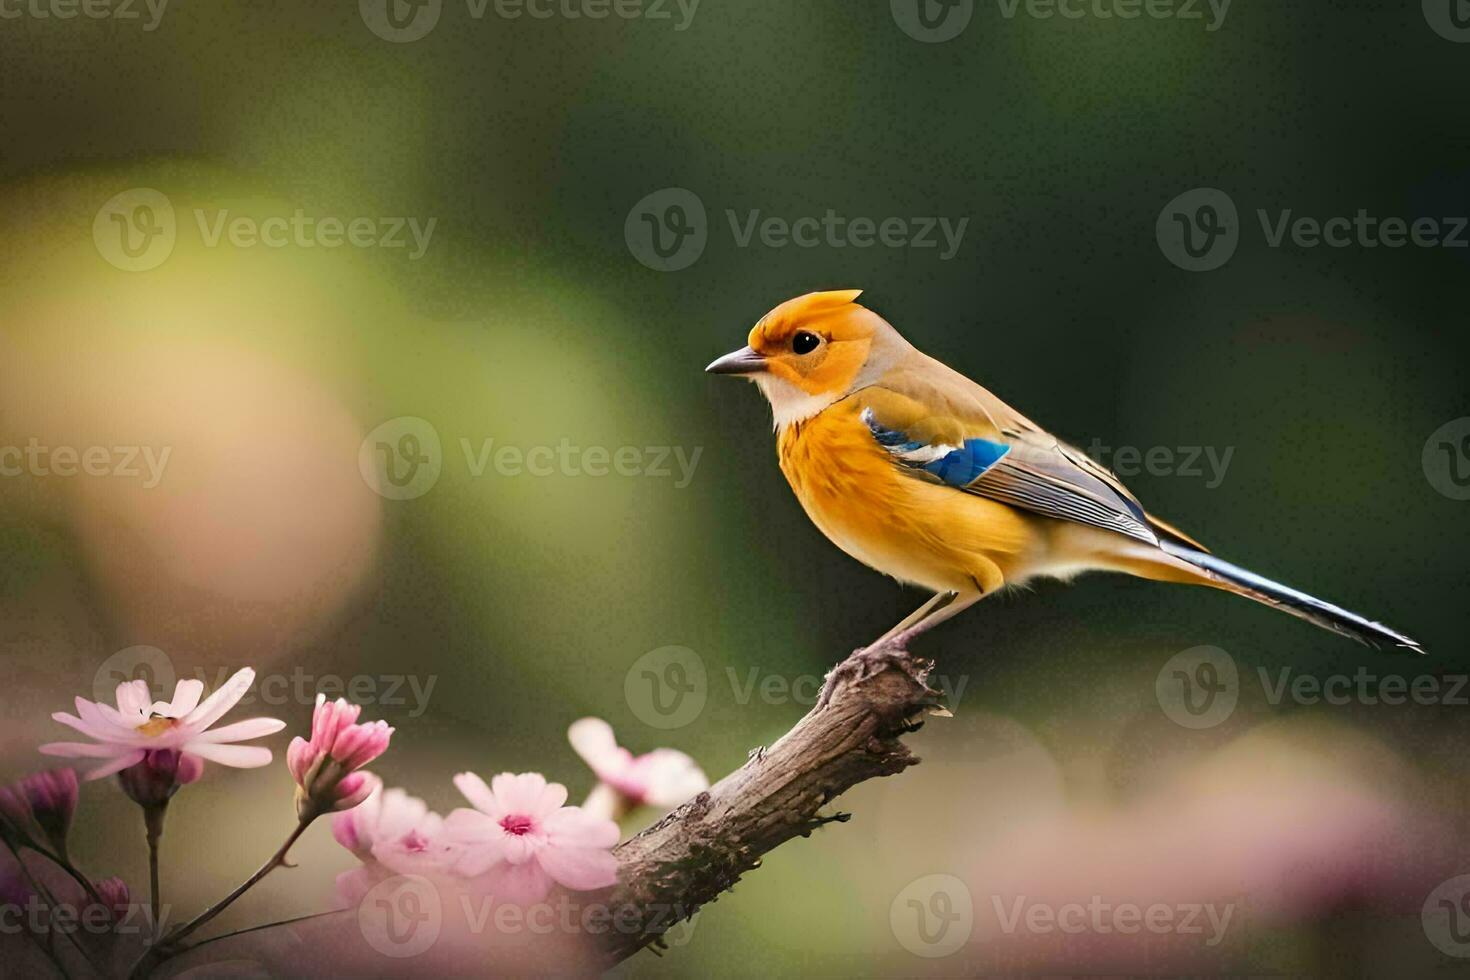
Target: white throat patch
column 789, row 403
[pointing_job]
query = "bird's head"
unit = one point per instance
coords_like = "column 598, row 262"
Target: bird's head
column 812, row 351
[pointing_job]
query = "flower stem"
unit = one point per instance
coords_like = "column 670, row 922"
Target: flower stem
column 64, row 863
column 153, row 822
column 173, row 944
column 275, row 861
column 260, row 928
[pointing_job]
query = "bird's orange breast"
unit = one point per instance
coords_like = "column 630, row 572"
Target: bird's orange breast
column 907, row 527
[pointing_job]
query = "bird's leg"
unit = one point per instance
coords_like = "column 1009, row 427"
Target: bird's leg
column 889, row 650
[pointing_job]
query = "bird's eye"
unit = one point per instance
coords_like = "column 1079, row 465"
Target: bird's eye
column 805, row 342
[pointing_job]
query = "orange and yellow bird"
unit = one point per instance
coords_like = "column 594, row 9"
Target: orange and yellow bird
column 919, row 472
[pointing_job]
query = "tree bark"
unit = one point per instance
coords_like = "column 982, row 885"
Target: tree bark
column 683, row 862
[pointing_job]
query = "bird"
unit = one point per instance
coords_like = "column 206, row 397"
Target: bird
column 922, row 474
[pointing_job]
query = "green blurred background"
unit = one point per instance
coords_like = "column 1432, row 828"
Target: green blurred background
column 528, row 320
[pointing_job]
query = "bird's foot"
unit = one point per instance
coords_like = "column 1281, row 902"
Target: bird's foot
column 869, row 661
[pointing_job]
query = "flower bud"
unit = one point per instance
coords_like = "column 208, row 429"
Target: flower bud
column 52, row 796
column 153, row 781
column 326, row 767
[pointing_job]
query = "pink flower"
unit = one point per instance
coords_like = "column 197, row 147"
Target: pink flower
column 520, row 840
column 664, row 778
column 326, row 767
column 124, row 736
column 115, row 897
column 395, row 830
column 40, row 807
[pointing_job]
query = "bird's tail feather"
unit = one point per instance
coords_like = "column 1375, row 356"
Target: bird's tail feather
column 1310, row 608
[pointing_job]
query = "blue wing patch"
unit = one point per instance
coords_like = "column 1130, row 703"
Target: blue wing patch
column 958, row 466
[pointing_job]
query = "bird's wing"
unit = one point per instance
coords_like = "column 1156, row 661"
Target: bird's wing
column 942, row 427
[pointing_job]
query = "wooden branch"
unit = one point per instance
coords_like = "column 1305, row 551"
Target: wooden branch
column 672, row 869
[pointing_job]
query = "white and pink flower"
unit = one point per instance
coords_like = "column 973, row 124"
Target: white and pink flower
column 520, row 840
column 391, row 832
column 396, row 830
column 663, row 778
column 178, row 730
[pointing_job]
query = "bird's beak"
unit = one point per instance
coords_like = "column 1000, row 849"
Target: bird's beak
column 743, row 361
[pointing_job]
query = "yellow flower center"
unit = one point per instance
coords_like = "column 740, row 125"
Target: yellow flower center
column 157, row 725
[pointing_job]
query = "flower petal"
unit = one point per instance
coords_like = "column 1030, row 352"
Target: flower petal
column 573, row 827
column 131, row 758
column 110, row 723
column 189, row 768
column 552, row 799
column 471, row 827
column 241, row 730
column 133, row 698
column 593, row 740
column 186, row 698
column 220, row 701
column 580, row 868
column 84, row 750
column 523, row 884
column 237, row 756
column 481, row 797
column 519, row 848
column 519, row 793
column 670, row 778
column 400, row 813
column 476, row 859
column 300, row 756
column 72, row 721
